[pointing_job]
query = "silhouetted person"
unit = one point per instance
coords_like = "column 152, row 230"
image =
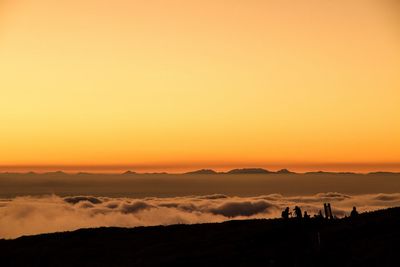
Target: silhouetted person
column 306, row 216
column 297, row 212
column 285, row 213
column 319, row 215
column 354, row 213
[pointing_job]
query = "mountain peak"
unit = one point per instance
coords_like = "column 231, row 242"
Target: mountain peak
column 129, row 173
column 202, row 171
column 284, row 171
column 56, row 173
column 248, row 171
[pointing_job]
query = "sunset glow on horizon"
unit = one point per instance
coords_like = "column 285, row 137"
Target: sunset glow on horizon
column 181, row 85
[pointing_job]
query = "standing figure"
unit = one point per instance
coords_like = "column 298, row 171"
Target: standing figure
column 297, row 212
column 285, row 213
column 354, row 213
column 306, row 216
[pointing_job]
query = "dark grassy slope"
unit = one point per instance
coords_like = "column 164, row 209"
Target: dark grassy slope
column 372, row 239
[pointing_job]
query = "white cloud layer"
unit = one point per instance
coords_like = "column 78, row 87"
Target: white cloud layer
column 33, row 215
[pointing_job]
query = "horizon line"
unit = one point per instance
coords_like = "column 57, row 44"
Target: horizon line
column 122, row 169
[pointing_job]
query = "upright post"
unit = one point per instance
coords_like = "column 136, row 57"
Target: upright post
column 326, row 211
column 330, row 211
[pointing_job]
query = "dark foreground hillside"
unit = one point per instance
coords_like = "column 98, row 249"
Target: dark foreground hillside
column 371, row 239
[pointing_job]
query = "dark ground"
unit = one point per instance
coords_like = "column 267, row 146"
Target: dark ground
column 371, row 239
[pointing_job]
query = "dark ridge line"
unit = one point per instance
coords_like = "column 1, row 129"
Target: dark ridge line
column 206, row 172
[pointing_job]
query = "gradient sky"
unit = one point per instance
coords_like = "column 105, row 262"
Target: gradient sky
column 181, row 84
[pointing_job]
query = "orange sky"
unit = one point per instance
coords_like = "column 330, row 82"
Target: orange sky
column 181, row 84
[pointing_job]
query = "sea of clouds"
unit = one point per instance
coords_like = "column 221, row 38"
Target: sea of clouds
column 33, row 215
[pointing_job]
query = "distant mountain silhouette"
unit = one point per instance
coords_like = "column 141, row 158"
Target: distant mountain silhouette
column 129, row 173
column 241, row 171
column 155, row 173
column 56, row 173
column 383, row 173
column 333, row 173
column 248, row 171
column 210, row 171
column 285, row 171
column 202, row 171
column 31, row 173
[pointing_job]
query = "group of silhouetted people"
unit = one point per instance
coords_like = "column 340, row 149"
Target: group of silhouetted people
column 297, row 213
